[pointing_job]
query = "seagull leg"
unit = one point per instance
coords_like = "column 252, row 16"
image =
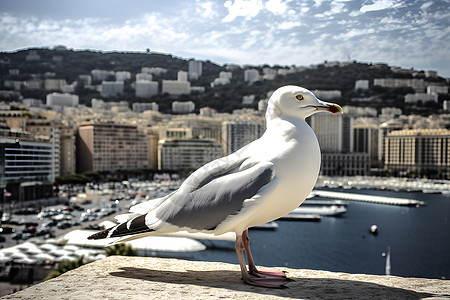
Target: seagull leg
column 273, row 282
column 251, row 264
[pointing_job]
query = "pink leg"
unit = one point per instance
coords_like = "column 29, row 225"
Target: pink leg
column 272, row 282
column 251, row 264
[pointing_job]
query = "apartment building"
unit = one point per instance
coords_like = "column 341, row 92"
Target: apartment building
column 240, row 132
column 418, row 153
column 111, row 147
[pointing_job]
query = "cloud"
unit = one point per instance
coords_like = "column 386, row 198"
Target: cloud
column 380, row 5
column 242, row 8
column 206, row 9
column 277, row 7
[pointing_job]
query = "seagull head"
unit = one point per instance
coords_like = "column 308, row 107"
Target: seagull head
column 298, row 102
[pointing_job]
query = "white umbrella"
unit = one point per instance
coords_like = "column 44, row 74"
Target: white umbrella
column 60, row 252
column 72, row 248
column 5, row 259
column 19, row 255
column 49, row 247
column 44, row 256
column 26, row 260
column 66, row 258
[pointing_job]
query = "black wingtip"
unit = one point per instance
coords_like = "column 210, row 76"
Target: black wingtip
column 99, row 235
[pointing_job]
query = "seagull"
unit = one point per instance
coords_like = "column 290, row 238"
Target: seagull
column 261, row 182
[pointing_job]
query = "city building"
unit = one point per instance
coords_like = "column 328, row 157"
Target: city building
column 417, row 84
column 102, row 75
column 334, row 132
column 437, row 89
column 240, row 132
column 58, row 99
column 32, row 56
column 366, row 140
column 345, row 164
column 67, row 158
column 111, row 147
column 361, row 84
column 141, row 107
column 422, row 97
column 153, row 70
column 175, row 87
column 51, row 84
column 183, row 107
column 112, row 88
column 122, row 75
column 251, row 75
column 86, row 79
column 182, row 76
column 187, row 154
column 146, row 89
column 418, row 153
column 144, row 76
column 26, row 169
column 194, row 69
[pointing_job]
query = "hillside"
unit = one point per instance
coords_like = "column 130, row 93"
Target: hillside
column 70, row 64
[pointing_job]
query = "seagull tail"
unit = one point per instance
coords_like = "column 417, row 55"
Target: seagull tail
column 134, row 226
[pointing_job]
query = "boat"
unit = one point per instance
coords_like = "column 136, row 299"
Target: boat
column 301, row 217
column 325, row 202
column 332, row 210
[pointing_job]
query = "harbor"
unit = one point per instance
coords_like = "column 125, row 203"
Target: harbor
column 369, row 198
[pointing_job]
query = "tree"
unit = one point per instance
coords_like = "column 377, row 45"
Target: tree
column 121, row 249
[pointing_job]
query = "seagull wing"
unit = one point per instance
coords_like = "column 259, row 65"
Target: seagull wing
column 210, row 195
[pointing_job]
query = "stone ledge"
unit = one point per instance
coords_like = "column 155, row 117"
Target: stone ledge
column 120, row 277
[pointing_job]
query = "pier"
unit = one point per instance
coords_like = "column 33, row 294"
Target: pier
column 369, row 198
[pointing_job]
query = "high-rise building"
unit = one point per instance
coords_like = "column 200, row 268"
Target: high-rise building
column 240, row 132
column 141, row 107
column 187, row 154
column 174, row 87
column 112, row 88
column 183, row 107
column 58, row 99
column 194, row 69
column 334, row 132
column 365, row 140
column 251, row 75
column 418, row 153
column 146, row 89
column 110, row 147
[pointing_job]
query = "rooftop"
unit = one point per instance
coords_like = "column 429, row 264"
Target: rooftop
column 120, row 277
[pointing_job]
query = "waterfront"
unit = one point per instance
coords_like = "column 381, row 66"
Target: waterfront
column 418, row 237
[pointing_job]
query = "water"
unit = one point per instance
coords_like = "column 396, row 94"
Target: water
column 419, row 240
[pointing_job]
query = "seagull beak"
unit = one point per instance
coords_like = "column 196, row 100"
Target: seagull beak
column 330, row 107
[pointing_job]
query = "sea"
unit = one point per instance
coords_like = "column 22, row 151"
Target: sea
column 410, row 241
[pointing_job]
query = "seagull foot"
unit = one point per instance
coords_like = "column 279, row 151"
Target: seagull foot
column 268, row 273
column 272, row 282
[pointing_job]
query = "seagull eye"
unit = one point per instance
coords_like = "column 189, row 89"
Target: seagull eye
column 299, row 97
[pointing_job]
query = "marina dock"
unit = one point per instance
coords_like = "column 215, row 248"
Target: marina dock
column 369, row 198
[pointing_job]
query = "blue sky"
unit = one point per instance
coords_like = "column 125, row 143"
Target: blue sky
column 409, row 34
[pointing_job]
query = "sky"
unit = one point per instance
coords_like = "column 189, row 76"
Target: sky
column 409, row 34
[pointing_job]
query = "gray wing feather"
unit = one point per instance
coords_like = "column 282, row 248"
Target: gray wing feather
column 213, row 202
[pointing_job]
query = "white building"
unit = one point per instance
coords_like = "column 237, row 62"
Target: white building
column 195, row 69
column 220, row 81
column 123, row 75
column 361, row 84
column 100, row 75
column 248, row 99
column 153, row 70
column 251, row 75
column 146, row 88
column 238, row 133
column 144, row 76
column 224, row 74
column 446, row 105
column 112, row 88
column 140, row 107
column 182, row 76
column 54, row 84
column 357, row 111
column 417, row 84
column 414, row 98
column 62, row 99
column 437, row 89
column 174, row 87
column 183, row 107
